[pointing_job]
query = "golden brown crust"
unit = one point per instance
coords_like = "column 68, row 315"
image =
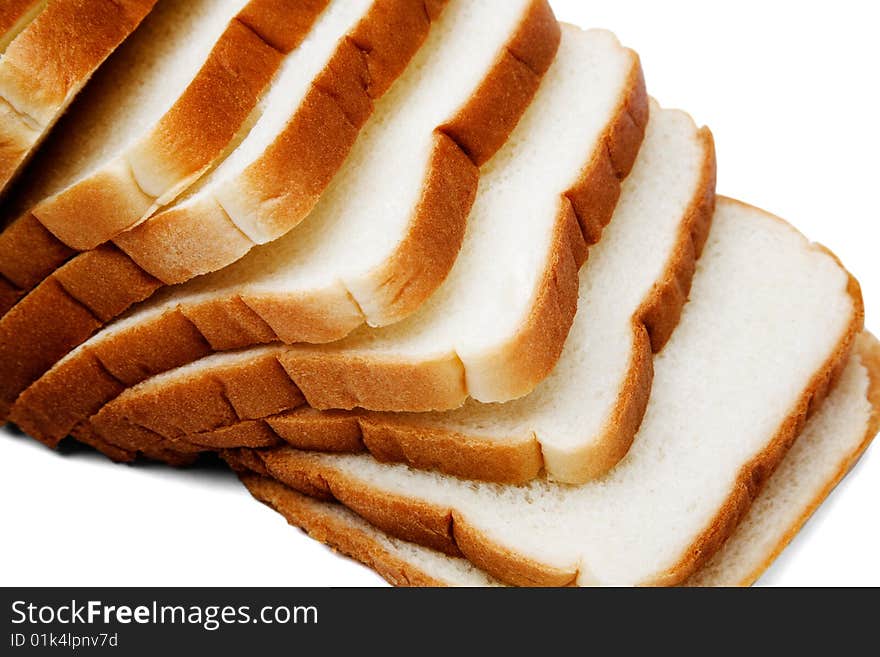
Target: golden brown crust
column 191, row 135
column 13, row 13
column 307, row 514
column 225, row 397
column 251, row 319
column 62, row 312
column 280, row 188
column 45, row 253
column 482, row 126
column 408, row 519
column 425, row 255
column 43, row 68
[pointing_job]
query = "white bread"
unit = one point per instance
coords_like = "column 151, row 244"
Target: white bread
column 353, row 54
column 563, row 147
column 272, row 293
column 42, row 69
column 632, row 290
column 831, row 442
column 164, row 109
column 732, row 389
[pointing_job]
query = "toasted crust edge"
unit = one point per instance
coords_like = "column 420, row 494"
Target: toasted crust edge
column 42, row 71
column 305, row 513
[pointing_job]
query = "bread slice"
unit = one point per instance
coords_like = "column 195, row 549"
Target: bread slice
column 731, row 391
column 355, row 51
column 831, row 443
column 42, row 68
column 293, row 293
column 658, row 228
column 166, row 107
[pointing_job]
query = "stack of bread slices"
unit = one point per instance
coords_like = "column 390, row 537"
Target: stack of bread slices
column 437, row 278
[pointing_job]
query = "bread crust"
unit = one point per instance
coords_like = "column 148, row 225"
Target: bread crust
column 43, row 68
column 178, row 149
column 423, row 523
column 14, row 16
column 62, row 312
column 245, row 320
column 302, row 512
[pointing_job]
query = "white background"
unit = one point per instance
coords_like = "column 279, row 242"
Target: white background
column 791, row 93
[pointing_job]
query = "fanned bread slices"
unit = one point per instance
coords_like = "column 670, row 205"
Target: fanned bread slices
column 581, row 419
column 42, row 66
column 831, row 443
column 295, row 292
column 732, row 389
column 310, row 118
column 160, row 112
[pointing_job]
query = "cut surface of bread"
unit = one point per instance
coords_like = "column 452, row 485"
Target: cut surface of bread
column 732, row 389
column 282, row 292
column 831, row 443
column 582, row 418
column 331, row 83
column 165, row 107
column 44, row 67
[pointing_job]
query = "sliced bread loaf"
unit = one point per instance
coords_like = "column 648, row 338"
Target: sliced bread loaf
column 311, row 114
column 321, row 290
column 581, row 419
column 830, row 444
column 54, row 52
column 731, row 392
column 570, row 150
column 164, row 109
